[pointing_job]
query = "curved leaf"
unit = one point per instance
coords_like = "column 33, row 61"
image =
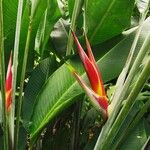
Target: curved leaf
column 36, row 81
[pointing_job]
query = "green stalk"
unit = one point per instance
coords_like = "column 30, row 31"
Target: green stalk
column 137, row 62
column 127, row 106
column 15, row 65
column 117, row 100
column 2, row 78
column 19, row 105
column 147, row 144
column 122, row 76
column 140, row 56
column 133, row 124
column 76, row 10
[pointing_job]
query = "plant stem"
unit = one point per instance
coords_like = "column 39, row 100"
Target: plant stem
column 2, row 78
column 122, row 76
column 76, row 10
column 133, row 124
column 19, row 104
column 137, row 62
column 76, row 125
column 15, row 65
column 127, row 106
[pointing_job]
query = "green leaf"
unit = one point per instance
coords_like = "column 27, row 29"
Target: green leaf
column 123, row 133
column 105, row 19
column 10, row 13
column 36, row 81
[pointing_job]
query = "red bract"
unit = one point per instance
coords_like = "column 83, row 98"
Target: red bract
column 97, row 94
column 8, row 85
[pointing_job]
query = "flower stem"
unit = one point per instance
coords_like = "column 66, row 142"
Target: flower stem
column 137, row 62
column 15, row 65
column 133, row 124
column 122, row 76
column 19, row 104
column 127, row 106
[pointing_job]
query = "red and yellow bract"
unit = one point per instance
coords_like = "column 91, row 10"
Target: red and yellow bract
column 8, row 85
column 97, row 94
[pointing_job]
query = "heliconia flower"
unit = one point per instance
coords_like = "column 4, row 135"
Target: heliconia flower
column 8, row 84
column 97, row 92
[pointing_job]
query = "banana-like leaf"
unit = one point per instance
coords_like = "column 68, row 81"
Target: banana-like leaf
column 37, row 80
column 105, row 19
column 60, row 89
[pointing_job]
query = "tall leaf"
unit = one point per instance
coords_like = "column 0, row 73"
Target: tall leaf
column 40, row 74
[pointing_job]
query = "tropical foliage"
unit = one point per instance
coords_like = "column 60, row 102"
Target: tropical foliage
column 54, row 95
